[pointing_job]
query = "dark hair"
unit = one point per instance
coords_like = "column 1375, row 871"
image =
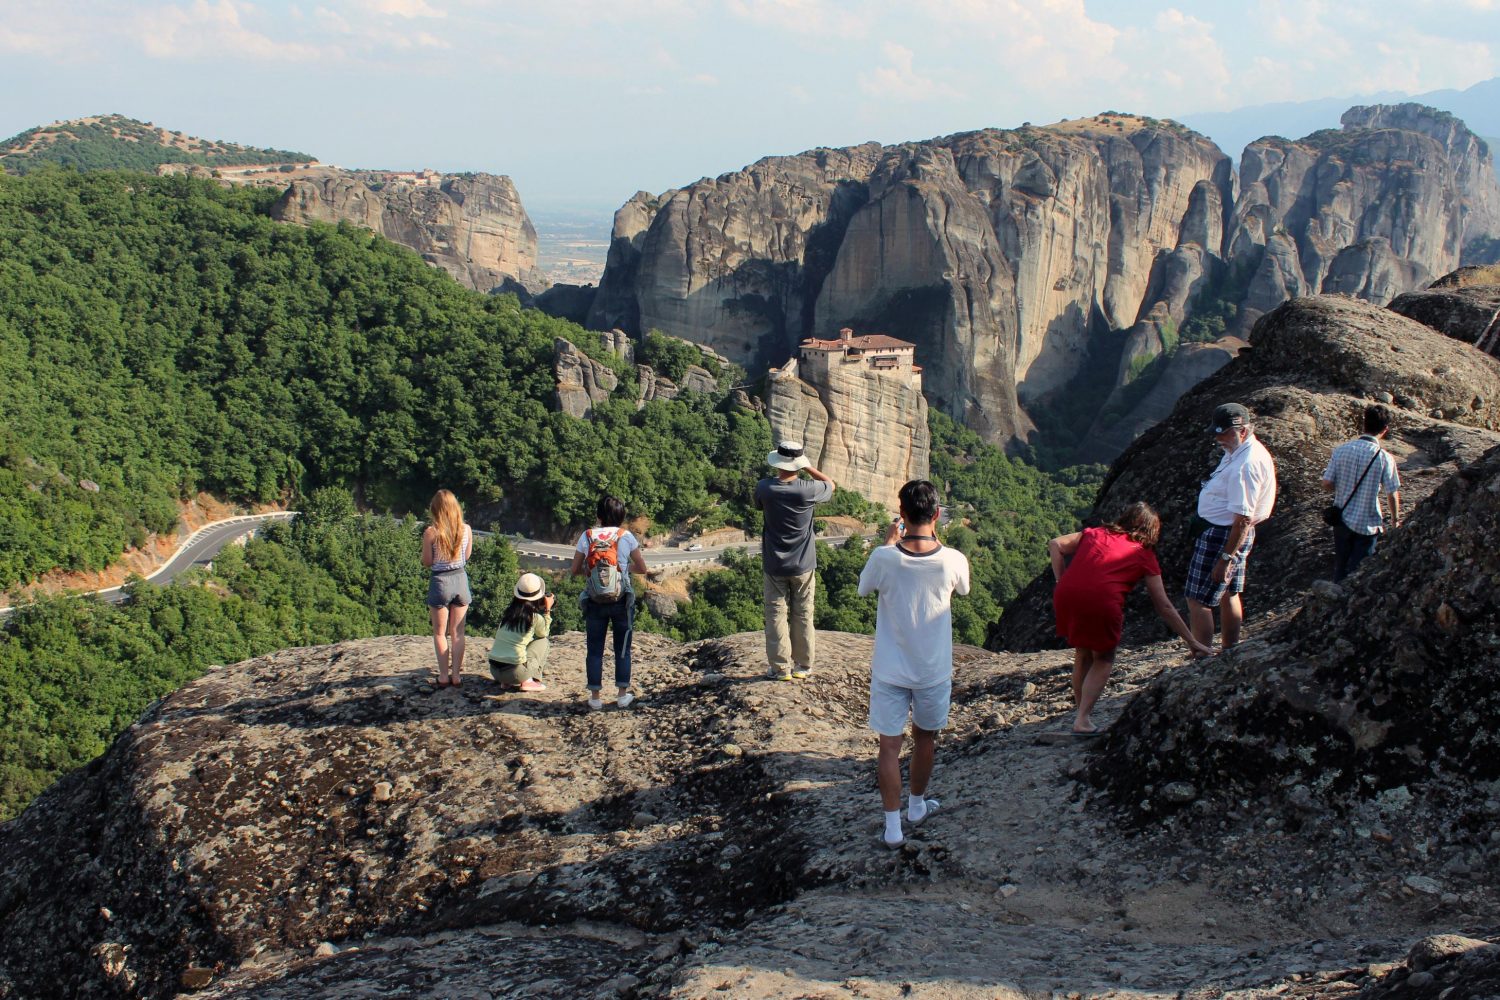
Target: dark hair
column 517, row 617
column 919, row 501
column 1376, row 419
column 1139, row 523
column 611, row 512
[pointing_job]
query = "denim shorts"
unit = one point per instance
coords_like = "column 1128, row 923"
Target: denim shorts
column 890, row 705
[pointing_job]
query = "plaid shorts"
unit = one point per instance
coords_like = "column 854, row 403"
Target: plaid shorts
column 1200, row 585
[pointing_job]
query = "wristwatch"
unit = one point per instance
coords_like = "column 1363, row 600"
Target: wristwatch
column 1227, row 556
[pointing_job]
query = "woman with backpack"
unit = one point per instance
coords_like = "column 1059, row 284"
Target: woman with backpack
column 446, row 544
column 606, row 555
column 518, row 657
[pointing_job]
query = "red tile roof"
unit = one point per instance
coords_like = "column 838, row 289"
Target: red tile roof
column 868, row 342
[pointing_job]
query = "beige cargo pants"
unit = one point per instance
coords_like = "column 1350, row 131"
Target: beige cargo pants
column 789, row 622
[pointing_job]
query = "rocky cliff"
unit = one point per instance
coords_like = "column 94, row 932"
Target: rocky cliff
column 1384, row 685
column 322, row 823
column 583, row 382
column 471, row 225
column 1313, row 365
column 1464, row 305
column 997, row 252
column 1018, row 259
column 865, row 430
column 1373, row 209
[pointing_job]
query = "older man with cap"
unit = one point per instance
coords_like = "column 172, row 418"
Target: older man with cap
column 1234, row 499
column 789, row 559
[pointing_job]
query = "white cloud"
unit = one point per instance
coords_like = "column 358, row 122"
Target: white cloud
column 899, row 80
column 404, row 8
column 1056, row 38
column 25, row 42
column 1178, row 54
column 204, row 30
column 808, row 19
column 1321, row 48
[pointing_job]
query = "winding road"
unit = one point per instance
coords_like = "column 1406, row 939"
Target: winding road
column 201, row 546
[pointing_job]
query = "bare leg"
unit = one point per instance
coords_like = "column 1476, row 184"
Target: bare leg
column 889, row 767
column 1201, row 619
column 1093, row 685
column 1081, row 660
column 1231, row 616
column 456, row 616
column 924, row 750
column 440, row 641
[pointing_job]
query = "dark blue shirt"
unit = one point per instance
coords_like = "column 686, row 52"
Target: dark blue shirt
column 787, row 547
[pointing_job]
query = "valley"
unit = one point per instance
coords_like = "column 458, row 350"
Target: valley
column 246, row 784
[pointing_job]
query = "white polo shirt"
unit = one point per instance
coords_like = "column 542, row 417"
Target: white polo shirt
column 1243, row 483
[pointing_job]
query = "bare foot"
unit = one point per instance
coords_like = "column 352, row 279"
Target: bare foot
column 1084, row 726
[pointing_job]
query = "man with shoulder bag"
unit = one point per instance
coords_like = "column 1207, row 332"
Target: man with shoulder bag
column 1357, row 473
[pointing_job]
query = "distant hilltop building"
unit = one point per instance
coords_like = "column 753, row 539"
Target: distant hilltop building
column 875, row 351
column 856, row 404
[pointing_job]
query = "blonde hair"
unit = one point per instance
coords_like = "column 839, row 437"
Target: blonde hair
column 448, row 523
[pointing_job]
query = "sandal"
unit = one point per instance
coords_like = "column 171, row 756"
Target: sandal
column 932, row 807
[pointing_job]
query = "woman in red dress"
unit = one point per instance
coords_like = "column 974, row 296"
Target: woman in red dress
column 1102, row 566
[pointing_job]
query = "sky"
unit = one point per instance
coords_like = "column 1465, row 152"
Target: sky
column 584, row 102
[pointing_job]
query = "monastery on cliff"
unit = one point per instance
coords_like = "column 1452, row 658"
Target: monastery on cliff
column 818, row 360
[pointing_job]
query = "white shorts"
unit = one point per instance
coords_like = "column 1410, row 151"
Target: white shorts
column 890, row 705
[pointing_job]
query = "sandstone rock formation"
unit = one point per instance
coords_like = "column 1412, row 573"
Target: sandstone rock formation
column 581, row 381
column 1313, row 365
column 1018, row 259
column 1122, row 419
column 1373, row 209
column 471, row 225
column 997, row 252
column 1464, row 305
column 867, row 431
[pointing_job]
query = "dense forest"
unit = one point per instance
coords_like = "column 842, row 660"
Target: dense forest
column 160, row 336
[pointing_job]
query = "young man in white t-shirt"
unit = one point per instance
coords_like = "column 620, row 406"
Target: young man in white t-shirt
column 911, row 672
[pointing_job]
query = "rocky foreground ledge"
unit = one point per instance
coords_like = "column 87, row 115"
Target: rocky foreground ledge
column 323, row 823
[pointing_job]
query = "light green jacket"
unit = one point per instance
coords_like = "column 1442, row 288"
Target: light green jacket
column 510, row 645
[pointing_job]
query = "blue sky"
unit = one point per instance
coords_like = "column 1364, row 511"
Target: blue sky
column 585, row 101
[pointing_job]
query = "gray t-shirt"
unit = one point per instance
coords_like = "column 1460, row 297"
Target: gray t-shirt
column 786, row 548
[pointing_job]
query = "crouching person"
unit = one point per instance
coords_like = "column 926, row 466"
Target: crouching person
column 518, row 657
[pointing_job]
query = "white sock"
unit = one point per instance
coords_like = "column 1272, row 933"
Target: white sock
column 916, row 808
column 893, row 827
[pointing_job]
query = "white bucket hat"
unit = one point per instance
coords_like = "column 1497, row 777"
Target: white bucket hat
column 530, row 587
column 788, row 457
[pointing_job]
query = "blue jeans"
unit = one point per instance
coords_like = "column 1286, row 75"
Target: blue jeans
column 596, row 619
column 1350, row 548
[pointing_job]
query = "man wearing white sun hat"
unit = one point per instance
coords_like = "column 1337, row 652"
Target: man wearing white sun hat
column 789, row 558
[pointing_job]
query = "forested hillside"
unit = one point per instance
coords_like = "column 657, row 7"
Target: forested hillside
column 160, row 336
column 115, row 142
